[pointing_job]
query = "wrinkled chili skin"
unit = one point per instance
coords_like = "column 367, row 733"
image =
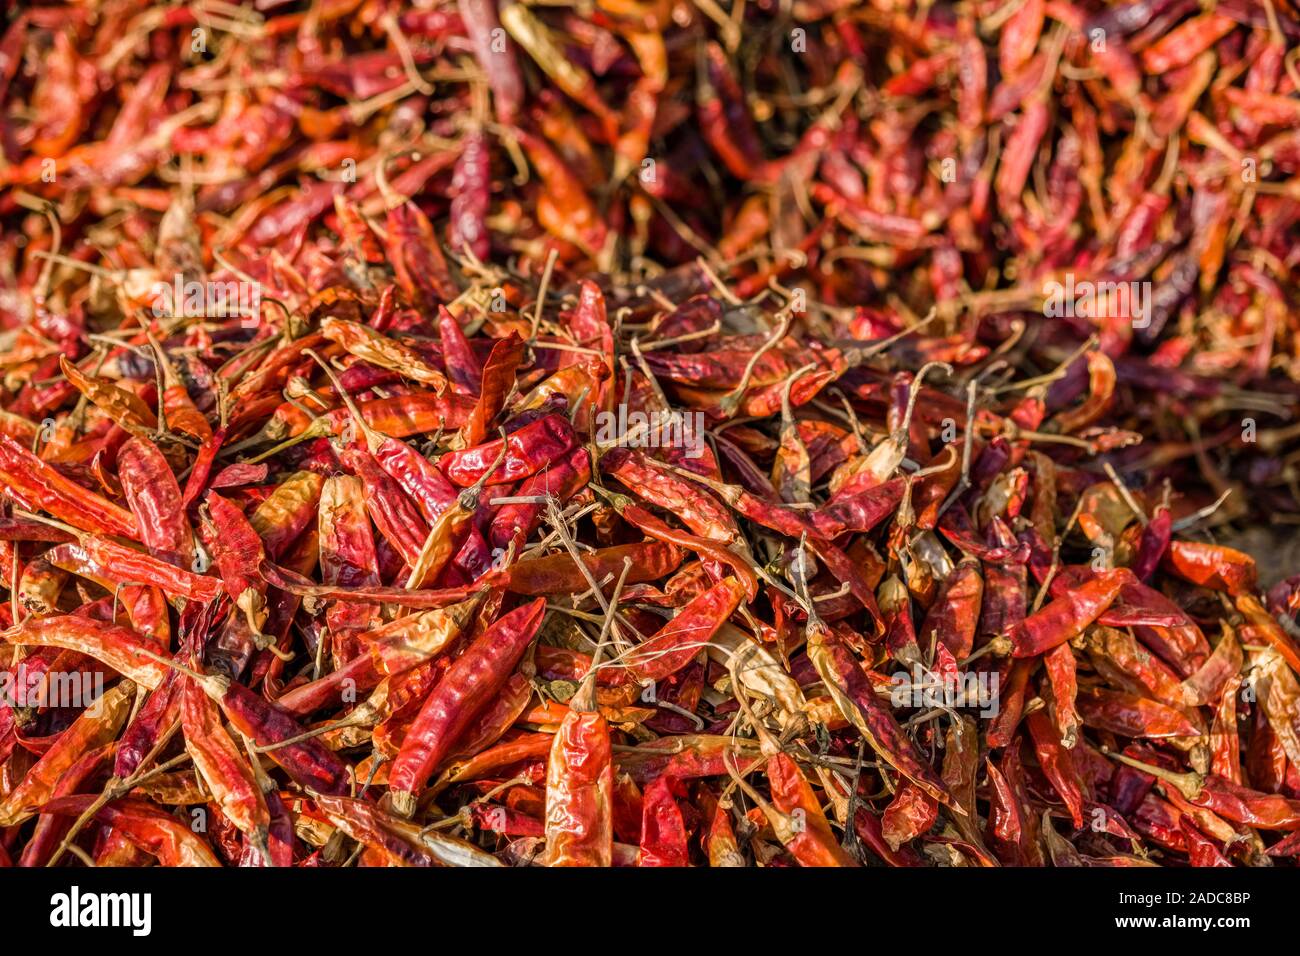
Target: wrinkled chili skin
column 146, row 827
column 878, row 724
column 579, row 782
column 812, row 842
column 37, row 486
column 470, row 203
column 155, row 499
column 158, row 713
column 308, row 763
column 527, row 451
column 238, row 550
column 560, row 574
column 515, row 522
column 1067, row 616
column 679, row 640
column 461, row 695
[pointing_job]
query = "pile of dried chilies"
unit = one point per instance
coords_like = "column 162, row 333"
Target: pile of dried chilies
column 888, row 161
column 409, row 458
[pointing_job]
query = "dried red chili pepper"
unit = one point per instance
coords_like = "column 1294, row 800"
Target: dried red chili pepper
column 579, row 782
column 458, row 698
column 1066, row 617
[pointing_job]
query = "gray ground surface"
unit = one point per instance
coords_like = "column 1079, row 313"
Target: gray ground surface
column 1275, row 548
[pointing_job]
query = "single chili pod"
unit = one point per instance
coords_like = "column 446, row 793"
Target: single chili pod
column 467, row 687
